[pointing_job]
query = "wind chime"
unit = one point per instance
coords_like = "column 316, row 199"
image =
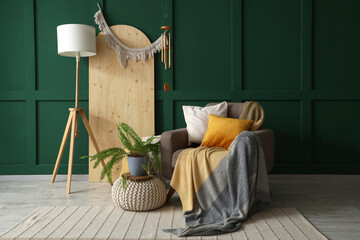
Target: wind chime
column 166, row 51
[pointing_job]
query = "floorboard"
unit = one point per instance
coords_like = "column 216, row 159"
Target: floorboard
column 330, row 202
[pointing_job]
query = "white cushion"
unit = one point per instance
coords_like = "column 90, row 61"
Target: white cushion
column 197, row 119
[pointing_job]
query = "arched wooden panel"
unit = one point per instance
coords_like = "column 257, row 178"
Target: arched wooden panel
column 119, row 94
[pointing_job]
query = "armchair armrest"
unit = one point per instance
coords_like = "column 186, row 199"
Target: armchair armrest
column 267, row 138
column 171, row 141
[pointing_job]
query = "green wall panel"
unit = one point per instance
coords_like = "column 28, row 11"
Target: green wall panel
column 202, row 45
column 53, row 71
column 12, row 129
column 284, row 117
column 298, row 57
column 51, row 120
column 335, row 137
column 271, row 35
column 336, row 40
column 12, row 64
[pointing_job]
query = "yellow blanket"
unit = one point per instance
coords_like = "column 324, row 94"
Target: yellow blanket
column 124, row 167
column 193, row 167
column 253, row 111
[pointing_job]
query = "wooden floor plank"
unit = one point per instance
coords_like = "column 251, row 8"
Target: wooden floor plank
column 330, row 202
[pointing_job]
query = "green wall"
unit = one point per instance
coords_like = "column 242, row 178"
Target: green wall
column 299, row 58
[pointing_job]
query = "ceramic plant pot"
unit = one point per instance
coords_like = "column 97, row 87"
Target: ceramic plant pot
column 135, row 165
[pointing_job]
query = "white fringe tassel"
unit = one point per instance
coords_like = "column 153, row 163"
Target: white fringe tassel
column 123, row 52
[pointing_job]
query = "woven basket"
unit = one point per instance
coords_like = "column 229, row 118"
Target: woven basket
column 139, row 195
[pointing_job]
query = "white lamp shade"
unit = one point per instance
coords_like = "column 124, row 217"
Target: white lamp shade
column 76, row 40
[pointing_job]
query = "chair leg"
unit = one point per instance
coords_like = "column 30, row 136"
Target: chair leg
column 71, row 153
column 91, row 134
column 170, row 193
column 62, row 147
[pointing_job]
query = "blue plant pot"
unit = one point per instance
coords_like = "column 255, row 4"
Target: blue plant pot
column 135, row 165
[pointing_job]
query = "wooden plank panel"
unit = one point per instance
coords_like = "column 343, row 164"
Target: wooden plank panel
column 119, row 94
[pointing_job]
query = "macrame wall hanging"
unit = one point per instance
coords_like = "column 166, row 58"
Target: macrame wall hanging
column 123, row 53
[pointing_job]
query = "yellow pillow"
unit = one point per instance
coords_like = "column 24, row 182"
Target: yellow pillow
column 222, row 131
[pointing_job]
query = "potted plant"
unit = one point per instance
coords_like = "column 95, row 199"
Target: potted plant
column 142, row 156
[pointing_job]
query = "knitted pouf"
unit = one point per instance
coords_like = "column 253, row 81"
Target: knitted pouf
column 139, row 195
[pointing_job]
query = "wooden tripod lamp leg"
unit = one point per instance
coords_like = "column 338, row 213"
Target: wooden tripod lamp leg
column 71, row 152
column 76, row 125
column 62, row 147
column 93, row 140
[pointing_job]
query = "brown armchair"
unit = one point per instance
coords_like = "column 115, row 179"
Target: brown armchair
column 173, row 142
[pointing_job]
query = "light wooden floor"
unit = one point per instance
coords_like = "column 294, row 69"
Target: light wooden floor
column 331, row 203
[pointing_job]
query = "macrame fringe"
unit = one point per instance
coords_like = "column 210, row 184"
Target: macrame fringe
column 122, row 51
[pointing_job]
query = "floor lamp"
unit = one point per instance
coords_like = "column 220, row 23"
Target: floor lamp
column 75, row 40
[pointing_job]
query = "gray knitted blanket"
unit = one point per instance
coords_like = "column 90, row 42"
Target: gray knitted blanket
column 224, row 200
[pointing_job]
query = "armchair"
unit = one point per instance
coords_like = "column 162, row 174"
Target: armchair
column 173, row 142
